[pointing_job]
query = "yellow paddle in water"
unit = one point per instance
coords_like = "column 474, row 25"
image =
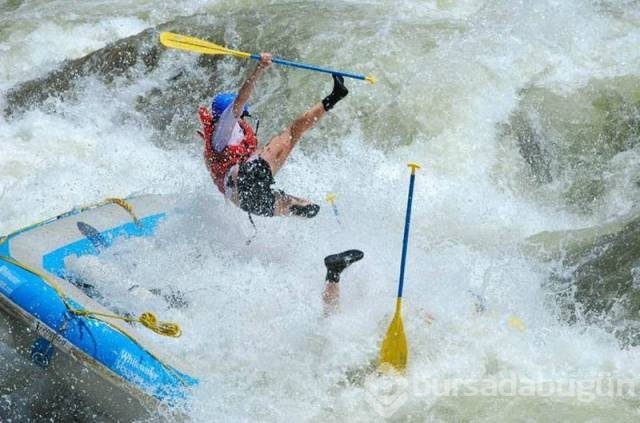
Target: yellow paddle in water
column 331, row 199
column 394, row 348
column 196, row 45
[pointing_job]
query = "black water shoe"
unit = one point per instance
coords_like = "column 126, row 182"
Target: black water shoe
column 310, row 210
column 336, row 263
column 339, row 92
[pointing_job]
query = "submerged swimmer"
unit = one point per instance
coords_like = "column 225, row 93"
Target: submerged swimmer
column 335, row 264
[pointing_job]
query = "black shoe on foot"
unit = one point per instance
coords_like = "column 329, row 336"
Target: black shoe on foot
column 336, row 263
column 310, row 210
column 339, row 92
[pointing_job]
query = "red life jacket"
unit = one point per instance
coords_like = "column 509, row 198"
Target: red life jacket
column 219, row 163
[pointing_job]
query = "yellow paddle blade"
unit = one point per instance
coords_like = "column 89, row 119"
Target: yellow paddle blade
column 331, row 198
column 516, row 323
column 394, row 348
column 196, row 45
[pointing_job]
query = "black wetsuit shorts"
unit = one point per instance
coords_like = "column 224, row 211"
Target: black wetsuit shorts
column 254, row 187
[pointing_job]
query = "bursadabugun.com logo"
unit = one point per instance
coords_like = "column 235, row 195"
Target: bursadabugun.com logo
column 386, row 390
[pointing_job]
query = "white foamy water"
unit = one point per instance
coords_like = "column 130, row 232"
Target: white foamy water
column 449, row 72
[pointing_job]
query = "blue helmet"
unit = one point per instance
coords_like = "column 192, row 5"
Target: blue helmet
column 222, row 101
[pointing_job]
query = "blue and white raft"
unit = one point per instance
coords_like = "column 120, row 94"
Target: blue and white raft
column 49, row 313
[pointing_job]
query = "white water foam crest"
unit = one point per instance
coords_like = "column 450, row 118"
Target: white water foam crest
column 254, row 329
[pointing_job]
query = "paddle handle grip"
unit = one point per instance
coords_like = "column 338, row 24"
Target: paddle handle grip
column 316, row 68
column 407, row 225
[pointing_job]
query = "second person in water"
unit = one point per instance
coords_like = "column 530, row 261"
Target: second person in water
column 242, row 171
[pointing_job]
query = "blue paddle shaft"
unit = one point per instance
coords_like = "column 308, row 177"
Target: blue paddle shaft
column 311, row 67
column 405, row 241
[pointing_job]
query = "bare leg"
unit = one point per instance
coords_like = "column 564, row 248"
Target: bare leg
column 331, row 298
column 279, row 147
column 335, row 264
column 277, row 150
column 284, row 202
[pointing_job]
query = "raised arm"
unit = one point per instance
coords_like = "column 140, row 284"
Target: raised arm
column 247, row 87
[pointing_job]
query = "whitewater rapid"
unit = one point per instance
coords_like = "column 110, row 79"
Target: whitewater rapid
column 450, row 72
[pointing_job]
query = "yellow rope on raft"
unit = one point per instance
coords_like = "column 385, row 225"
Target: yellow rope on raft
column 162, row 328
column 122, row 203
column 119, row 201
column 147, row 319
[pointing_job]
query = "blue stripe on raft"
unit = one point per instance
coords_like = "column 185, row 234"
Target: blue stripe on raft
column 99, row 340
column 53, row 261
column 4, row 248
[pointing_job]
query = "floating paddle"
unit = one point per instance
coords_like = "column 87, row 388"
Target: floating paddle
column 196, row 45
column 331, row 199
column 394, row 346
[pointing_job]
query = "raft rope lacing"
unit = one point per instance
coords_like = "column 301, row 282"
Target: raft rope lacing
column 147, row 319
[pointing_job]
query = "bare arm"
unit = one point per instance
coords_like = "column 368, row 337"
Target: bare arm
column 247, row 87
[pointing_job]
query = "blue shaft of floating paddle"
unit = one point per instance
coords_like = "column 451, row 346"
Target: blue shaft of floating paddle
column 311, row 67
column 405, row 240
column 335, row 212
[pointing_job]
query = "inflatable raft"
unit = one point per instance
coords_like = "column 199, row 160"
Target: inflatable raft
column 67, row 332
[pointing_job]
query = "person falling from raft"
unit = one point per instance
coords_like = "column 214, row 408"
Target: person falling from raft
column 242, row 171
